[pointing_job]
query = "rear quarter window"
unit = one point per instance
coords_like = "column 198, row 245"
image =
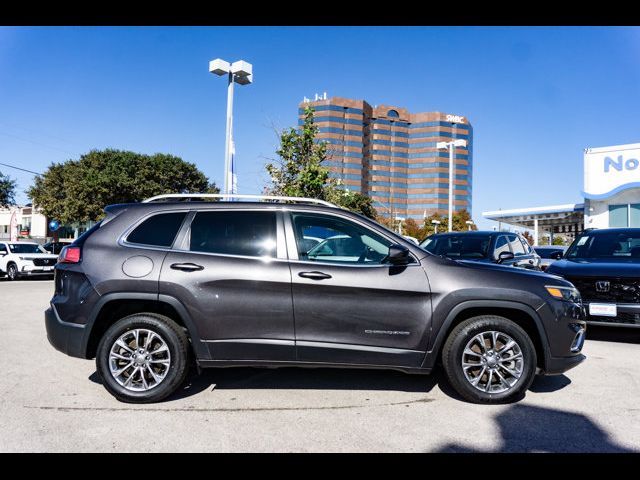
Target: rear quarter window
column 157, row 231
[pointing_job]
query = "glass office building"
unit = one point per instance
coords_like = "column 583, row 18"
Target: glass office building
column 390, row 154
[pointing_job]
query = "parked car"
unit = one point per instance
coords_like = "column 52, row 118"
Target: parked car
column 484, row 246
column 56, row 247
column 237, row 283
column 605, row 266
column 25, row 259
column 549, row 254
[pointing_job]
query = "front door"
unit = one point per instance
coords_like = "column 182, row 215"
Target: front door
column 232, row 275
column 350, row 305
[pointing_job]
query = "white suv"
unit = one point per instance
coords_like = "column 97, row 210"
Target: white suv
column 25, row 259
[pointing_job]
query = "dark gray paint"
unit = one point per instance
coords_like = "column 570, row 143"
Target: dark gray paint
column 252, row 311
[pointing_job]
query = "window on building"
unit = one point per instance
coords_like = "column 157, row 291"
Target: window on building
column 393, row 114
column 625, row 215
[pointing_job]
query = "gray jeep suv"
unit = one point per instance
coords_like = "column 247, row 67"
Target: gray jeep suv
column 159, row 284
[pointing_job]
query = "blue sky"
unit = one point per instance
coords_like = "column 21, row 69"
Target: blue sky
column 536, row 96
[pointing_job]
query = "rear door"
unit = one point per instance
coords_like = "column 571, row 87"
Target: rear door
column 231, row 274
column 350, row 305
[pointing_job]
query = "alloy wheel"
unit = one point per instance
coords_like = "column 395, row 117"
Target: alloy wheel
column 139, row 360
column 492, row 362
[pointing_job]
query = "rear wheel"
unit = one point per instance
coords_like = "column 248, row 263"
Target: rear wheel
column 143, row 358
column 489, row 359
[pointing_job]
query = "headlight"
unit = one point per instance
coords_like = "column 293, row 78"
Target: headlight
column 569, row 294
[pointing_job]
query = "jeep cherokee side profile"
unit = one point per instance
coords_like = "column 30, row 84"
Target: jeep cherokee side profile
column 158, row 283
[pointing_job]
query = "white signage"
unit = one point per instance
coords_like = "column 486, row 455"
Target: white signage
column 455, row 118
column 610, row 170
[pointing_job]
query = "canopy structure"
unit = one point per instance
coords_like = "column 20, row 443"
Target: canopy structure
column 567, row 218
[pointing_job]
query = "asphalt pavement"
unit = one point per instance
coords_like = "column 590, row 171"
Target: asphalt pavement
column 53, row 403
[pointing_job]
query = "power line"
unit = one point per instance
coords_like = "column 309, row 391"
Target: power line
column 18, row 168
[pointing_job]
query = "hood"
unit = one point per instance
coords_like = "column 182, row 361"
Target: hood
column 502, row 268
column 595, row 268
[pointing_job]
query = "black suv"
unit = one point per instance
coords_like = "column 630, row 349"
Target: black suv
column 507, row 248
column 605, row 266
column 280, row 284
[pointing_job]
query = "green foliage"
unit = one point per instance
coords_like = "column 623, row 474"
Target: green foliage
column 7, row 190
column 300, row 171
column 78, row 190
column 557, row 240
column 459, row 223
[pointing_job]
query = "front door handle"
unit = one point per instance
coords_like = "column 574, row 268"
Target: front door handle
column 187, row 267
column 314, row 275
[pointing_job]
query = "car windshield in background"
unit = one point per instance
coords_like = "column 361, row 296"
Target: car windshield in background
column 458, row 246
column 548, row 252
column 615, row 246
column 26, row 248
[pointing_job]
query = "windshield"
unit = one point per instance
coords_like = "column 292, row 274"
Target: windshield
column 616, row 246
column 458, row 246
column 26, row 248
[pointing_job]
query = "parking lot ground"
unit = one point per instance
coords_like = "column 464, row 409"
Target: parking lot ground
column 51, row 402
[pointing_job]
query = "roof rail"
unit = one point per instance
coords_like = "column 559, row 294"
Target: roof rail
column 241, row 196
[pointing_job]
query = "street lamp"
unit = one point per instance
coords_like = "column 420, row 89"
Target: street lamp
column 435, row 225
column 451, row 146
column 469, row 223
column 239, row 72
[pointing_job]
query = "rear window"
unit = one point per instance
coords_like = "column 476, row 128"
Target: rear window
column 158, row 231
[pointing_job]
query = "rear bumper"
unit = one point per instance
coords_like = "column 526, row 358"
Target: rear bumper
column 65, row 337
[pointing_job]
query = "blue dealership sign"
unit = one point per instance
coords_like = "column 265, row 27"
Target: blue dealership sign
column 54, row 225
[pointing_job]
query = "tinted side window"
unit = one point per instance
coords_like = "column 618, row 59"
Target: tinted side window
column 158, row 231
column 502, row 245
column 330, row 239
column 251, row 234
column 3, row 249
column 516, row 245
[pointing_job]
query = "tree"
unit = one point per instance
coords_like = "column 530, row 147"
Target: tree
column 300, row 171
column 527, row 235
column 78, row 190
column 7, row 190
column 460, row 219
column 557, row 240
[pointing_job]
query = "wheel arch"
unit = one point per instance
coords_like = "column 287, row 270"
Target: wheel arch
column 521, row 314
column 113, row 307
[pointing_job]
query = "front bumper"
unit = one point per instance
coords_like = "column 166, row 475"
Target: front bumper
column 65, row 337
column 628, row 316
column 558, row 365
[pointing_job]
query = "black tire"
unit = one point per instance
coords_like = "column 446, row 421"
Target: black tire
column 452, row 358
column 176, row 341
column 12, row 272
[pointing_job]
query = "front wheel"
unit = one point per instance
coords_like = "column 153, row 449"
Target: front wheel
column 12, row 272
column 143, row 358
column 489, row 359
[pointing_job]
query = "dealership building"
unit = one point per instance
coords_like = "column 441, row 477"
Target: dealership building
column 611, row 197
column 390, row 154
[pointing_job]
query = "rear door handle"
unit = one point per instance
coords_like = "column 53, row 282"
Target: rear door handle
column 314, row 275
column 187, row 267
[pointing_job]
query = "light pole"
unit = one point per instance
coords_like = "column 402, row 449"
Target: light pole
column 239, row 72
column 469, row 223
column 435, row 225
column 451, row 146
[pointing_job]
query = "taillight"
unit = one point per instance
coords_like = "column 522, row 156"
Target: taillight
column 69, row 255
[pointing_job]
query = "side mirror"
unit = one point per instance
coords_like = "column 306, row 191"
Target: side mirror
column 556, row 255
column 504, row 256
column 398, row 255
